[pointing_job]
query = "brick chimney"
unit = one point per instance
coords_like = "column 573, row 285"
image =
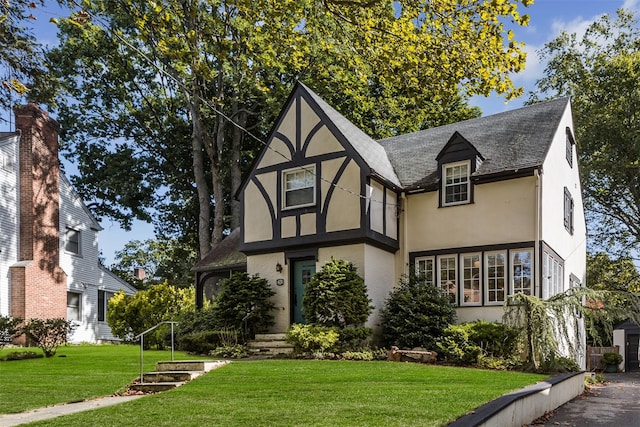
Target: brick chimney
column 38, row 284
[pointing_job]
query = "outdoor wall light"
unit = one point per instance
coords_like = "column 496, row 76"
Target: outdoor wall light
column 279, row 267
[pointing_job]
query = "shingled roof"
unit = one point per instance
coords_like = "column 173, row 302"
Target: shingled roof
column 224, row 256
column 508, row 141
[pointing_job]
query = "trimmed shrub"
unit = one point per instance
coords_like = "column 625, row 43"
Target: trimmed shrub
column 235, row 351
column 48, row 334
column 456, row 347
column 311, row 338
column 21, row 355
column 353, row 338
column 201, row 342
column 416, row 314
column 336, row 296
column 243, row 304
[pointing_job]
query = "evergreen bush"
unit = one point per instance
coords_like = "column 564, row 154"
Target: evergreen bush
column 416, row 314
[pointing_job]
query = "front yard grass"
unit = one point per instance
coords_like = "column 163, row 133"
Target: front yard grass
column 76, row 372
column 285, row 393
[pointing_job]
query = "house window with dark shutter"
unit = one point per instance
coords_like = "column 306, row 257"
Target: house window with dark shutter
column 568, row 210
column 299, row 187
column 103, row 301
column 570, row 143
column 456, row 183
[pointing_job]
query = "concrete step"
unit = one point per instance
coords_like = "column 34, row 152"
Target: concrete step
column 272, row 344
column 270, row 337
column 154, row 387
column 171, row 376
column 190, row 365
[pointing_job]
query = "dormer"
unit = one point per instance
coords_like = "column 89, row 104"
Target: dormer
column 457, row 161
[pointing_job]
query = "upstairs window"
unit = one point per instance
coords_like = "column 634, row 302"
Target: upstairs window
column 568, row 211
column 456, row 183
column 569, row 148
column 299, row 187
column 72, row 241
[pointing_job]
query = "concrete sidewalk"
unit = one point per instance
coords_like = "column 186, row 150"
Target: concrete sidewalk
column 8, row 420
column 616, row 403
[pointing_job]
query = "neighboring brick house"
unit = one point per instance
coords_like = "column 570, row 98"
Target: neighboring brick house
column 483, row 208
column 49, row 240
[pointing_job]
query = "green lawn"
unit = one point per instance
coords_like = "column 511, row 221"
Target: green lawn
column 260, row 393
column 74, row 373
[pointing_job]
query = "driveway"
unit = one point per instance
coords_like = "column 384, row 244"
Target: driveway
column 616, row 403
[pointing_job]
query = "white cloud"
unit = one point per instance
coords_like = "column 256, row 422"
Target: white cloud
column 631, row 4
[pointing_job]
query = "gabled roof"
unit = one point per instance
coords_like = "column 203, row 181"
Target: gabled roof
column 508, row 141
column 65, row 181
column 371, row 152
column 224, row 256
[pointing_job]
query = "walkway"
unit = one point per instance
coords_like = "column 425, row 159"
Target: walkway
column 9, row 420
column 616, row 403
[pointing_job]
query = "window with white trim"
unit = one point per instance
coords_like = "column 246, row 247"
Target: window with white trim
column 552, row 275
column 521, row 271
column 299, row 187
column 72, row 241
column 448, row 276
column 74, row 306
column 495, row 277
column 471, row 279
column 424, row 269
column 456, row 183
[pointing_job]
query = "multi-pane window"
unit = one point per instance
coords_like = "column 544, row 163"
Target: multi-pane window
column 568, row 210
column 299, row 187
column 448, row 277
column 496, row 277
column 521, row 271
column 552, row 275
column 471, row 283
column 72, row 241
column 456, row 183
column 74, row 300
column 103, row 301
column 424, row 270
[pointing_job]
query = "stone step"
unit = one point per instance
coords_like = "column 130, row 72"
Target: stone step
column 154, row 387
column 189, row 365
column 170, row 376
column 270, row 344
column 270, row 337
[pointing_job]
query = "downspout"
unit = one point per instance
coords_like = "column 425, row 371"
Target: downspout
column 405, row 254
column 538, row 227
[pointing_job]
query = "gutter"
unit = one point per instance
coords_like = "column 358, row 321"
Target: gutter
column 537, row 286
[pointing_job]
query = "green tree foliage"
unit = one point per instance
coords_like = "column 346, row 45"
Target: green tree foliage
column 157, row 88
column 21, row 58
column 552, row 327
column 48, row 334
column 162, row 259
column 130, row 315
column 244, row 304
column 336, row 296
column 618, row 275
column 416, row 313
column 600, row 72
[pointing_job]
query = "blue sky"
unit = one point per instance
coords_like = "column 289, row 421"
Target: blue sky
column 548, row 19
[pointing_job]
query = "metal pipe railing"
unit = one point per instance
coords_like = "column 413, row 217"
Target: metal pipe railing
column 141, row 336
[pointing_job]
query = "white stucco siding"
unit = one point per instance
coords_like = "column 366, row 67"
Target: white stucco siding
column 265, row 266
column 257, row 217
column 557, row 175
column 380, row 278
column 502, row 212
column 9, row 200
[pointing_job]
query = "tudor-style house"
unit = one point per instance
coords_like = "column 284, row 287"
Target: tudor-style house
column 49, row 264
column 483, row 208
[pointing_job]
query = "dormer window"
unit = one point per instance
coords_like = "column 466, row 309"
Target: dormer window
column 299, row 187
column 456, row 183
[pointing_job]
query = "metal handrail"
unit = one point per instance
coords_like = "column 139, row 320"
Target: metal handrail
column 141, row 336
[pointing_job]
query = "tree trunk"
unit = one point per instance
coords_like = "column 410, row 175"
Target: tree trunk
column 240, row 117
column 204, row 206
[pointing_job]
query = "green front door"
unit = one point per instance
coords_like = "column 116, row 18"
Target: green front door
column 302, row 273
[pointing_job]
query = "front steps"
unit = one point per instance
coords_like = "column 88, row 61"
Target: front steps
column 269, row 345
column 169, row 375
